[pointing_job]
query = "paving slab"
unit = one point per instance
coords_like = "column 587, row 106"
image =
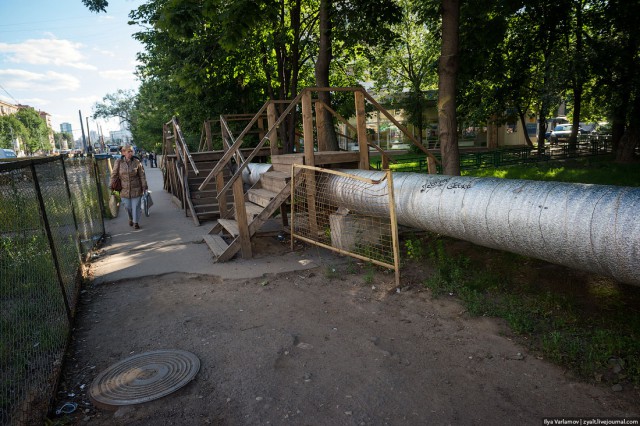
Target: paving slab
column 168, row 241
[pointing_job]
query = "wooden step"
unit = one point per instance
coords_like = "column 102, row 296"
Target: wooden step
column 230, row 225
column 252, row 210
column 274, row 181
column 261, row 197
column 216, row 244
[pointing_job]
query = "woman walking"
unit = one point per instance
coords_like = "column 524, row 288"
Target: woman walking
column 134, row 182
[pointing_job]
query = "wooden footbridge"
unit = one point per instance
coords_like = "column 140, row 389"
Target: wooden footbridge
column 208, row 184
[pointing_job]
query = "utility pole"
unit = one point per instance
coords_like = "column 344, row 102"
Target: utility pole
column 89, row 145
column 84, row 140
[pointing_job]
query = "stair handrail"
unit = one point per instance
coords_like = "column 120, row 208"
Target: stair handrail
column 183, row 152
column 238, row 156
column 352, row 127
column 236, row 145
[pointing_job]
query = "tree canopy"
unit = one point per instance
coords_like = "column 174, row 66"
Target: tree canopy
column 204, row 58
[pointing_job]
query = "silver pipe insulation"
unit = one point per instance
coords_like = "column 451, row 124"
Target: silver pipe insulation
column 251, row 173
column 588, row 227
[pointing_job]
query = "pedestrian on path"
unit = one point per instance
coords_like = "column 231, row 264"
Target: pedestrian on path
column 134, row 183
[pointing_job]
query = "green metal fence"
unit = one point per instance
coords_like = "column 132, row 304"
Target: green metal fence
column 476, row 159
column 51, row 215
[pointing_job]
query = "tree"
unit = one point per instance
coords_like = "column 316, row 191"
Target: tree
column 37, row 132
column 116, row 105
column 353, row 22
column 407, row 68
column 447, row 72
column 12, row 130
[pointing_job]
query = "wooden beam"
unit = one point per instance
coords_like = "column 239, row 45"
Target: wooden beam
column 222, row 201
column 320, row 129
column 272, row 115
column 361, row 128
column 241, row 218
column 307, row 128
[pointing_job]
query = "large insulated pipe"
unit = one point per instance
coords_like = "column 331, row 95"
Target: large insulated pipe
column 590, row 227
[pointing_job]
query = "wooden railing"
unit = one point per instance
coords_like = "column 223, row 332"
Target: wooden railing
column 305, row 98
column 173, row 133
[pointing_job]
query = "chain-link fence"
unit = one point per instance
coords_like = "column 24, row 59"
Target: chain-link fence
column 351, row 224
column 51, row 214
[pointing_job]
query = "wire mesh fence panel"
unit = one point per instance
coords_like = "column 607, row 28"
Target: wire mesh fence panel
column 33, row 318
column 88, row 198
column 360, row 222
column 41, row 220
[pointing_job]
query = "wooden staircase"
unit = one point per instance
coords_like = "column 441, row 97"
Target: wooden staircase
column 205, row 201
column 271, row 192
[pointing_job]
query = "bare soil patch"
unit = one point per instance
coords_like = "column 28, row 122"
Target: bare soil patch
column 335, row 345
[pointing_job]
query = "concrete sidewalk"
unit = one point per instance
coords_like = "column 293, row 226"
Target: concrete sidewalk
column 168, row 242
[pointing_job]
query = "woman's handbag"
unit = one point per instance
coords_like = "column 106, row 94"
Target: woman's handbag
column 147, row 202
column 114, row 204
column 117, row 185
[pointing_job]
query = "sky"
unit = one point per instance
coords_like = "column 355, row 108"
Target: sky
column 61, row 58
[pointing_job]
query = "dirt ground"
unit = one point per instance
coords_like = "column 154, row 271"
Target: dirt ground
column 327, row 346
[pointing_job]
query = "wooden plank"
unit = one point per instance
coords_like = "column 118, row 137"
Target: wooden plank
column 261, row 196
column 241, row 218
column 335, row 157
column 222, row 200
column 271, row 122
column 394, row 227
column 288, row 159
column 252, row 209
column 320, row 127
column 230, row 225
column 307, row 128
column 361, row 128
column 216, row 244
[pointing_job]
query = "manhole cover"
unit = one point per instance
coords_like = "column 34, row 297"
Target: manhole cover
column 143, row 377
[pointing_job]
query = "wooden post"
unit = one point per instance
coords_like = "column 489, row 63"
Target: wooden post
column 309, row 159
column 361, row 128
column 260, row 128
column 241, row 219
column 394, row 227
column 272, row 116
column 320, row 128
column 207, row 130
column 307, row 129
column 222, row 200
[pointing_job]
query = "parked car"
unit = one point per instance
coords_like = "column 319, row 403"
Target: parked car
column 7, row 153
column 562, row 133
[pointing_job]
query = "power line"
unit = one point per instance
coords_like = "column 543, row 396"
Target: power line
column 10, row 95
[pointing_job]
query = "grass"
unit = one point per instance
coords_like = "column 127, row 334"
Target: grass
column 594, row 170
column 585, row 323
column 589, row 327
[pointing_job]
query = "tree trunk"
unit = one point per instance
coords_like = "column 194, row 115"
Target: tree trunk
column 578, row 80
column 447, row 73
column 527, row 139
column 322, row 72
column 631, row 137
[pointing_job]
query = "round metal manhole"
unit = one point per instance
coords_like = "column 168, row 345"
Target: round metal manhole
column 143, row 377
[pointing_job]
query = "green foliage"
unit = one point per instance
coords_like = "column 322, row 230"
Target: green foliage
column 37, row 132
column 415, row 249
column 11, row 129
column 369, row 275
